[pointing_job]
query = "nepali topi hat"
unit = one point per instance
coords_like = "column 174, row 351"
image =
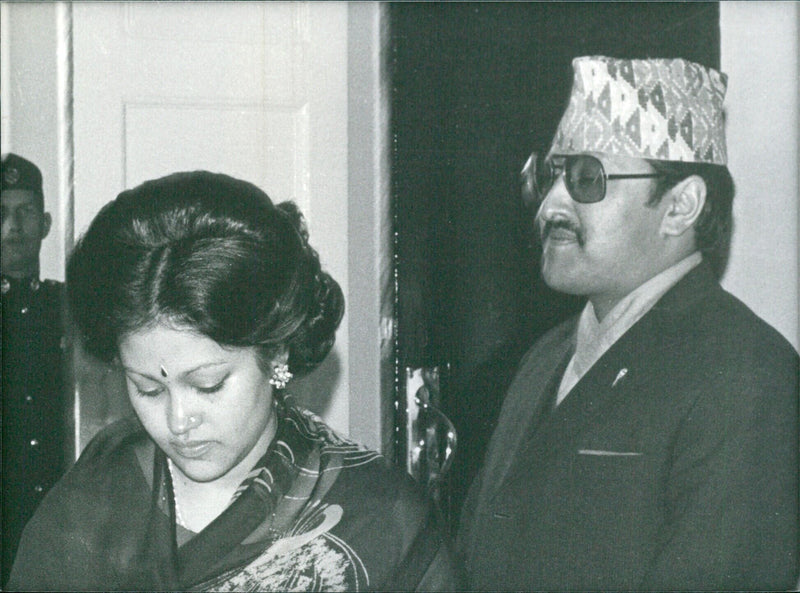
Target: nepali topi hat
column 661, row 109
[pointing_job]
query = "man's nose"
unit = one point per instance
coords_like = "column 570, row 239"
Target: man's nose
column 557, row 203
column 12, row 221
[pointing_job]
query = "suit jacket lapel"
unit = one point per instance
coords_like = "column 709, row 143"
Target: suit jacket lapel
column 604, row 384
column 597, row 392
column 540, row 372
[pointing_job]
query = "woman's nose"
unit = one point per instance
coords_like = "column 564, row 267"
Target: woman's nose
column 182, row 416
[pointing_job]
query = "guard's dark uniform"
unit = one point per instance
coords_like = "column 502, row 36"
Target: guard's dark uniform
column 33, row 402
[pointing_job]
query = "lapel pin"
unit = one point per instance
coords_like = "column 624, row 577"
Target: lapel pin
column 620, row 375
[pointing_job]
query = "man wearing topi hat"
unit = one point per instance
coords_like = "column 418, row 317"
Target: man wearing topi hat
column 652, row 441
column 33, row 388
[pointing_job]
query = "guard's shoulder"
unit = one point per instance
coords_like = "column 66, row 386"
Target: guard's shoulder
column 52, row 285
column 51, row 290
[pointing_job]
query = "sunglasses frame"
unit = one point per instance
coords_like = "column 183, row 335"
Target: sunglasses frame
column 534, row 195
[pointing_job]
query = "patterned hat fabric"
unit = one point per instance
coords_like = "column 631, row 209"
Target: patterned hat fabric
column 662, row 109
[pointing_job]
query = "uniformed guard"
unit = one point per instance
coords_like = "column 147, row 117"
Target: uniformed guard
column 33, row 381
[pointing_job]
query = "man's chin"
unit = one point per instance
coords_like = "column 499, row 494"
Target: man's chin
column 562, row 281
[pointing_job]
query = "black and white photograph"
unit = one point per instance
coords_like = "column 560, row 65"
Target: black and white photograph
column 400, row 296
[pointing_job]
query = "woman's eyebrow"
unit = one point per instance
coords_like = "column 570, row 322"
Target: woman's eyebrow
column 129, row 370
column 186, row 373
column 203, row 366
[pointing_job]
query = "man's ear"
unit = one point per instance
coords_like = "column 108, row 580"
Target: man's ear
column 684, row 203
column 47, row 222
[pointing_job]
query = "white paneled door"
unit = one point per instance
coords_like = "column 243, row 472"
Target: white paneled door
column 257, row 90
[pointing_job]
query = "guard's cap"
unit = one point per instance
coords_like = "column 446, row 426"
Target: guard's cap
column 19, row 173
column 662, row 109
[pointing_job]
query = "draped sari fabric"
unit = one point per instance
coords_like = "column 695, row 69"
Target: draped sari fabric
column 316, row 513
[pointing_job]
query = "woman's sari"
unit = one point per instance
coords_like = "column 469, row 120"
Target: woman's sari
column 317, row 513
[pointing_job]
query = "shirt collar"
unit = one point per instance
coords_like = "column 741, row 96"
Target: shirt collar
column 594, row 338
column 594, row 334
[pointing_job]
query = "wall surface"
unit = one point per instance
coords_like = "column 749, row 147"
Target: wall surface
column 760, row 55
column 369, row 227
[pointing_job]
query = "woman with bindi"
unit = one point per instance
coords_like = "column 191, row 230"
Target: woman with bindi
column 211, row 300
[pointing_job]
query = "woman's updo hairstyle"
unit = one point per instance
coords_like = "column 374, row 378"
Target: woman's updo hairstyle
column 209, row 253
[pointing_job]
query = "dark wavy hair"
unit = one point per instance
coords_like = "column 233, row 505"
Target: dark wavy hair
column 715, row 223
column 210, row 253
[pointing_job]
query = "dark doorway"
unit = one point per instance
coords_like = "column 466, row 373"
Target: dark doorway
column 475, row 88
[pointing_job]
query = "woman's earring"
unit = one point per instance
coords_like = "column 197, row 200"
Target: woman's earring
column 280, row 375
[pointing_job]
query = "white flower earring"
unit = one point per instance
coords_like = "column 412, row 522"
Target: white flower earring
column 281, row 375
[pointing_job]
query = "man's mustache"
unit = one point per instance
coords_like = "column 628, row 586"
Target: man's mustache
column 548, row 226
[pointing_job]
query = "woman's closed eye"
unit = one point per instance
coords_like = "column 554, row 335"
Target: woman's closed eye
column 213, row 388
column 204, row 383
column 148, row 392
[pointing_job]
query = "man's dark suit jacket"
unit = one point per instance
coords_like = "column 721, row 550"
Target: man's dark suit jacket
column 672, row 464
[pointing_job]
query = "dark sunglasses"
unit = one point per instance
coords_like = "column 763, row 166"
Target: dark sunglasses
column 584, row 177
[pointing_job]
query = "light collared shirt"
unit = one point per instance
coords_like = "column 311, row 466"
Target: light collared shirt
column 595, row 337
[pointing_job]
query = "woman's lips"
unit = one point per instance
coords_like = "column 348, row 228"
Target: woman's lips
column 191, row 449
